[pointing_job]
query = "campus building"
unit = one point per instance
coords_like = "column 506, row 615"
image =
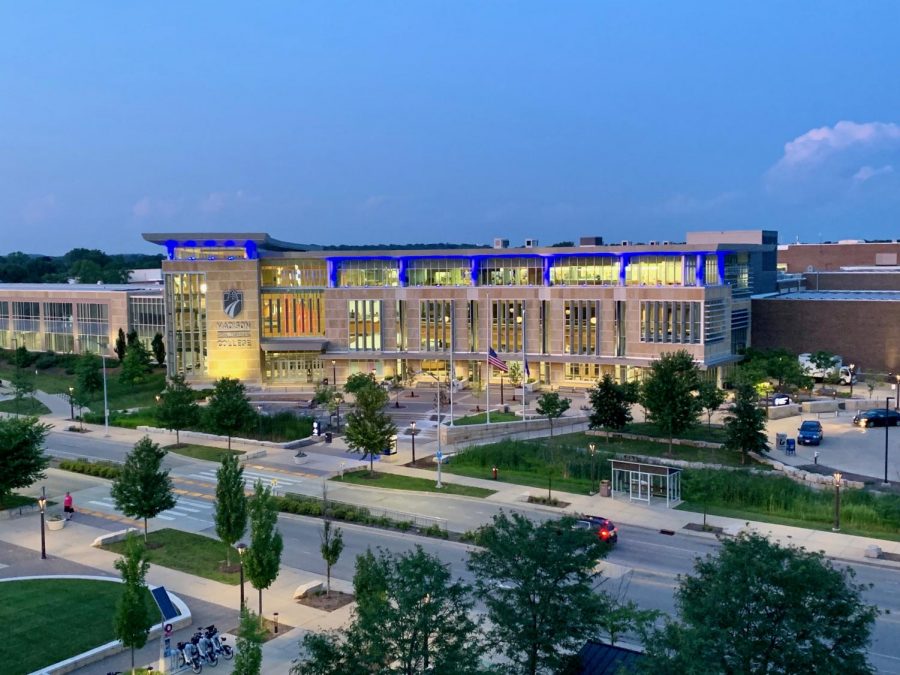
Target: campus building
column 77, row 318
column 276, row 314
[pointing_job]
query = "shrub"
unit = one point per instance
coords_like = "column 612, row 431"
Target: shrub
column 45, row 360
column 98, row 469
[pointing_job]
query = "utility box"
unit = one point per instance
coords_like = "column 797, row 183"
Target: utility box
column 781, row 442
column 605, row 489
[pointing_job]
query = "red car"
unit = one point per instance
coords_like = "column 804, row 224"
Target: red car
column 604, row 527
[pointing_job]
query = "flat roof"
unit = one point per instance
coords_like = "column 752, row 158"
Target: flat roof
column 82, row 288
column 867, row 296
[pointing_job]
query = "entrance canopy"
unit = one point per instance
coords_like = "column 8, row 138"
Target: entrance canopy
column 642, row 481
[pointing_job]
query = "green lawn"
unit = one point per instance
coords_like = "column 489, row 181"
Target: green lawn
column 399, row 482
column 536, row 479
column 481, row 418
column 48, row 620
column 206, row 452
column 713, row 434
column 14, row 501
column 187, row 552
column 745, row 514
column 27, row 406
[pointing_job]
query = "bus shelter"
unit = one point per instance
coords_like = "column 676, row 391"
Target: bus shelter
column 642, row 481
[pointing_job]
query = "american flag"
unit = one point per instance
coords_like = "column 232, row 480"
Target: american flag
column 496, row 361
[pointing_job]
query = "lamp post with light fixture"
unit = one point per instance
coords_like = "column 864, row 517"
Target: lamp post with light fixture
column 72, row 403
column 837, row 501
column 42, row 504
column 887, row 425
column 241, row 549
column 334, row 372
column 593, row 449
column 413, row 434
column 852, row 373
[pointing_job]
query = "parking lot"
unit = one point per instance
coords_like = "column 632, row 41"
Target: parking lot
column 845, row 446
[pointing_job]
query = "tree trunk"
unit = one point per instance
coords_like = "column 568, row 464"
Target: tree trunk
column 260, row 607
column 229, row 441
column 372, row 464
column 328, row 580
column 145, row 530
column 227, row 555
column 132, row 659
column 670, row 446
column 178, row 437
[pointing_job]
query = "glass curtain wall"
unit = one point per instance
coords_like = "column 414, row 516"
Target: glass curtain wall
column 295, row 274
column 147, row 316
column 59, row 327
column 186, row 317
column 581, row 330
column 370, row 272
column 364, row 319
column 585, row 271
column 506, row 325
column 439, row 272
column 5, row 341
column 293, row 314
column 93, row 326
column 513, row 271
column 674, row 322
column 26, row 325
column 435, row 325
column 655, row 270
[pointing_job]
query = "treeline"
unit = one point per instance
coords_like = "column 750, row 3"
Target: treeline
column 87, row 266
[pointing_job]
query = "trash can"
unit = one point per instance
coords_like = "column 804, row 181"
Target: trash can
column 791, row 446
column 328, row 437
column 605, row 489
column 781, row 442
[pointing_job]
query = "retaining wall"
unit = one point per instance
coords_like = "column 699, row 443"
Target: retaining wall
column 475, row 433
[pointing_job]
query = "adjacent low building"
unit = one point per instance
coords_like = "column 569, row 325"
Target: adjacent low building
column 280, row 314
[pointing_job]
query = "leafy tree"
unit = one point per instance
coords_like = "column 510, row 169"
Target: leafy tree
column 22, row 383
column 515, row 376
column 132, row 338
column 710, row 398
column 369, row 430
column 359, row 381
column 177, row 407
column 263, row 558
column 822, row 360
column 783, row 367
column 409, row 613
column 761, row 608
column 537, row 581
column 81, row 400
column 231, row 503
column 22, row 358
column 248, row 655
column 611, row 405
column 136, row 363
column 331, row 548
column 133, row 618
column 143, row 489
column 669, row 393
column 324, row 393
column 89, row 374
column 22, row 458
column 700, row 486
column 121, row 345
column 158, row 345
column 551, row 405
column 745, row 425
column 228, row 408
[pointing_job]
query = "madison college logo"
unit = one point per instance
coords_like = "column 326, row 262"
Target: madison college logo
column 234, row 302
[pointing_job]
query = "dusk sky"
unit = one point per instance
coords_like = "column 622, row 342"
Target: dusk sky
column 378, row 122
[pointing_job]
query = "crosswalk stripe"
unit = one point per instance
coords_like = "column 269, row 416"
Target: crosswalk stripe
column 190, row 502
column 164, row 517
column 186, row 508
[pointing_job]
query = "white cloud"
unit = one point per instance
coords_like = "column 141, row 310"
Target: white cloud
column 867, row 173
column 817, row 145
column 39, row 209
column 148, row 207
column 216, row 202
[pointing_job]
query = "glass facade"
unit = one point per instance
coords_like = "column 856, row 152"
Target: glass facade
column 506, row 325
column 585, row 271
column 5, row 340
column 364, row 318
column 293, row 314
column 186, row 317
column 472, row 324
column 439, row 272
column 670, row 322
column 583, row 372
column 93, row 325
column 714, row 321
column 294, row 367
column 581, row 333
column 402, row 334
column 147, row 316
column 512, row 271
column 210, row 253
column 59, row 327
column 370, row 272
column 26, row 325
column 297, row 274
column 737, row 274
column 435, row 325
column 711, row 271
column 655, row 270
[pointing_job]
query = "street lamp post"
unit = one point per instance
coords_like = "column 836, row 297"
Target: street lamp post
column 897, row 401
column 887, row 409
column 42, row 504
column 440, row 454
column 837, row 502
column 241, row 548
column 105, row 402
column 593, row 448
column 334, row 372
column 72, row 403
column 852, row 373
column 413, row 434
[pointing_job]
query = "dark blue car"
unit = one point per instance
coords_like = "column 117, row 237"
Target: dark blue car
column 810, row 433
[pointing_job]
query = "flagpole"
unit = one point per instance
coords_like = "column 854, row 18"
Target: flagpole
column 524, row 366
column 452, row 370
column 487, row 363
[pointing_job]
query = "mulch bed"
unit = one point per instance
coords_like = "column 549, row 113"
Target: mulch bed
column 422, row 463
column 328, row 603
column 698, row 527
column 268, row 626
column 548, row 502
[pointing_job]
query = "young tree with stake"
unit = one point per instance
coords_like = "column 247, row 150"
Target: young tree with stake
column 143, row 489
column 369, row 430
column 177, row 407
column 231, row 504
column 263, row 558
column 552, row 406
column 133, row 618
column 669, row 393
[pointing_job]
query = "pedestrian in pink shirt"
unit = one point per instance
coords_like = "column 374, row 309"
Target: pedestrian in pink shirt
column 67, row 506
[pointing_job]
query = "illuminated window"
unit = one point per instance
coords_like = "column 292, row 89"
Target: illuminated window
column 368, row 272
column 435, row 325
column 295, row 274
column 585, row 271
column 672, row 322
column 93, row 325
column 507, row 325
column 512, row 271
column 364, row 318
column 581, row 329
column 186, row 318
column 439, row 272
column 655, row 270
column 147, row 317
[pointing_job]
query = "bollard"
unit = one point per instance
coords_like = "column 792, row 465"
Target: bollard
column 816, row 457
column 276, row 623
column 494, row 473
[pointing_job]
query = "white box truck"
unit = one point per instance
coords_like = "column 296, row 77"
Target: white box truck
column 817, row 373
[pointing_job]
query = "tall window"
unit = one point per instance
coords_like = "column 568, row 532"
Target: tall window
column 513, row 271
column 674, row 322
column 740, row 329
column 655, row 270
column 545, row 327
column 364, row 317
column 435, row 325
column 439, row 272
column 26, row 325
column 581, row 331
column 59, row 327
column 621, row 332
column 293, row 314
column 400, row 322
column 93, row 326
column 368, row 272
column 737, row 274
column 508, row 317
column 584, row 372
column 711, row 271
column 147, row 317
column 690, row 270
column 472, row 325
column 5, row 342
column 585, row 271
column 186, row 317
column 295, row 274
column 714, row 321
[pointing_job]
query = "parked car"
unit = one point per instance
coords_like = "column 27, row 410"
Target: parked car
column 776, row 400
column 877, row 417
column 810, row 433
column 604, row 527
